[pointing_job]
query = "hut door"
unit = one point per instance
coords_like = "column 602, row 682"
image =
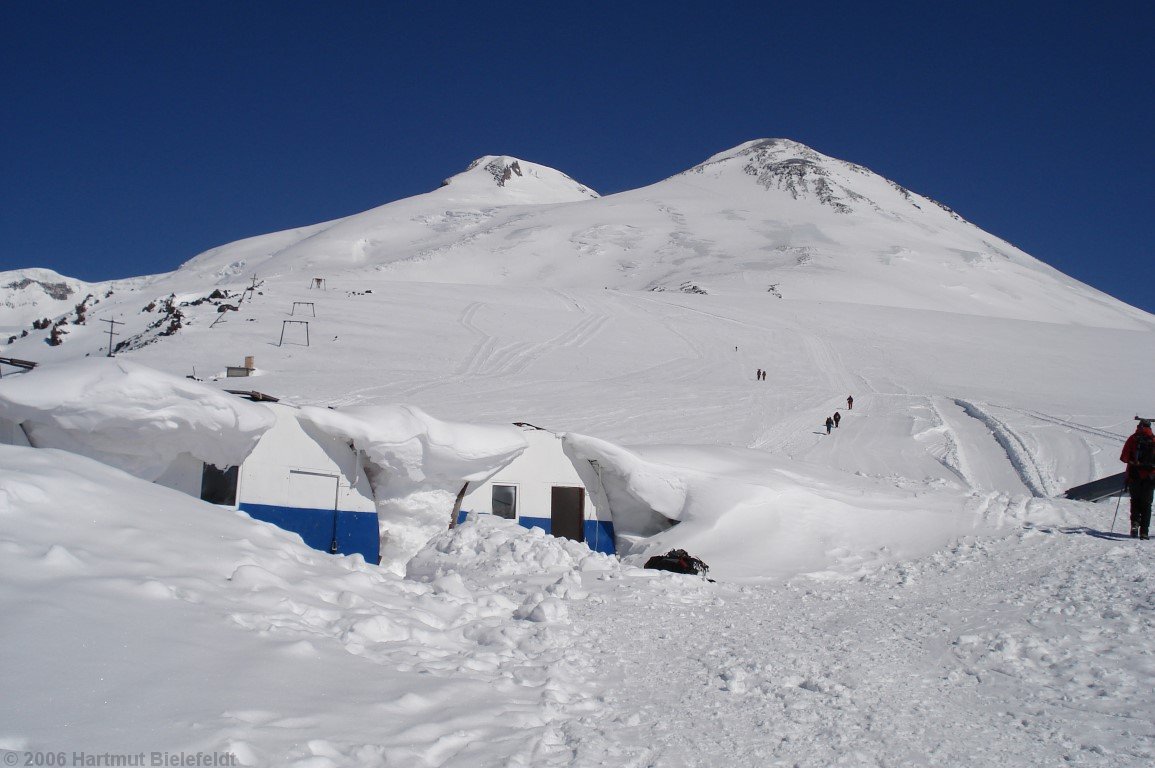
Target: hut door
column 567, row 512
column 318, row 491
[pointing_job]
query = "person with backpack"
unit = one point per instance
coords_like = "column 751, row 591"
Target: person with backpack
column 829, row 424
column 837, row 418
column 1139, row 455
column 850, row 402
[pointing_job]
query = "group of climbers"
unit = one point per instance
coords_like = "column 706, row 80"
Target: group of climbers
column 1138, row 454
column 832, row 421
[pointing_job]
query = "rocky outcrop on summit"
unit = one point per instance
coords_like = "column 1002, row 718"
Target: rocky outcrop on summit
column 517, row 181
column 788, row 166
column 57, row 290
column 502, row 172
column 803, row 173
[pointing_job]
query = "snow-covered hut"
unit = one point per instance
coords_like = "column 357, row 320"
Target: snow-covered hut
column 297, row 478
column 259, row 458
column 542, row 489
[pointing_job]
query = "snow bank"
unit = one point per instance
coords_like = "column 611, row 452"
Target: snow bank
column 750, row 515
column 416, row 465
column 140, row 618
column 414, row 451
column 131, row 417
column 488, row 548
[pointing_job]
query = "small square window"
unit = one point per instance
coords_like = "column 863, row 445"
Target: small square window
column 219, row 486
column 504, row 502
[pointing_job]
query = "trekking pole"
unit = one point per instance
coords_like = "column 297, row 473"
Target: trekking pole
column 1117, row 503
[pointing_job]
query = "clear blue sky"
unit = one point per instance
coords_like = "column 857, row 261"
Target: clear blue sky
column 135, row 135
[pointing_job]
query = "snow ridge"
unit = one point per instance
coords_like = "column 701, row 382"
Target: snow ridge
column 1020, row 456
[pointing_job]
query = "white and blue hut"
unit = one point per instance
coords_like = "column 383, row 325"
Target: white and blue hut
column 541, row 489
column 297, row 478
column 260, row 459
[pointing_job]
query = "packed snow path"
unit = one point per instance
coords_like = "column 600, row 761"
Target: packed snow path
column 1034, row 649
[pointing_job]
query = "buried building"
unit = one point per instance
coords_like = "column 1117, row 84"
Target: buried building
column 541, row 488
column 296, row 478
column 378, row 481
column 258, row 458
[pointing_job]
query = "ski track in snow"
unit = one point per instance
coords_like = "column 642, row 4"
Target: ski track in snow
column 491, row 359
column 1016, row 449
column 795, row 432
column 1095, row 431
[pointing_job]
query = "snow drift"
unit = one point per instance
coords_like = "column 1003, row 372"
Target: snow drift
column 139, row 618
column 416, row 465
column 750, row 516
column 409, row 450
column 130, row 416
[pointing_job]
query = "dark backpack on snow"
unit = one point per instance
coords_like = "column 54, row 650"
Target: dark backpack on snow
column 678, row 561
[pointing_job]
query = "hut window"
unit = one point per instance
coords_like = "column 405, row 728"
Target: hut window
column 219, row 486
column 504, row 503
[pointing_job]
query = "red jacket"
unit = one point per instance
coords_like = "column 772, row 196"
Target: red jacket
column 1128, row 456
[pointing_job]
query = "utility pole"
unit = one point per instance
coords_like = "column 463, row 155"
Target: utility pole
column 250, row 291
column 111, row 331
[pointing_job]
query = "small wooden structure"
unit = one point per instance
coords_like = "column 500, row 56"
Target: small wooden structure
column 24, row 365
column 318, row 282
column 235, row 371
column 254, row 395
column 309, row 304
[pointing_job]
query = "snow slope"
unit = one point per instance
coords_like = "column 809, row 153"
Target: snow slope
column 945, row 402
column 491, row 186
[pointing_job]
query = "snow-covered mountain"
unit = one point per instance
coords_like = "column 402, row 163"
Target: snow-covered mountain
column 767, row 216
column 903, row 590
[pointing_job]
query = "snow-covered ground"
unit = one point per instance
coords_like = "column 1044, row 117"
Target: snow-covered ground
column 139, row 619
column 904, row 591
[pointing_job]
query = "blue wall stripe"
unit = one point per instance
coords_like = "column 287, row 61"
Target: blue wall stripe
column 600, row 536
column 357, row 532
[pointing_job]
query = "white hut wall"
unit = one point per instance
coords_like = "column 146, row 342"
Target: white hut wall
column 312, row 484
column 534, row 475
